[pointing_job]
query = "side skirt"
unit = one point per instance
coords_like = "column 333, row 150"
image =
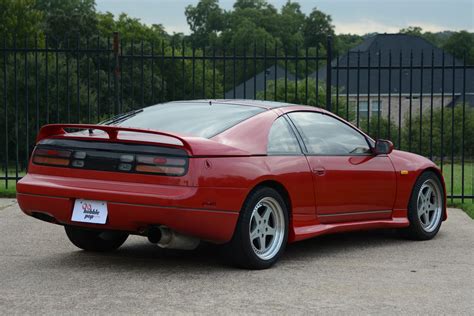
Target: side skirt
column 309, row 231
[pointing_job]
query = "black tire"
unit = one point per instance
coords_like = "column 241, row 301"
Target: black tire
column 240, row 250
column 93, row 240
column 416, row 231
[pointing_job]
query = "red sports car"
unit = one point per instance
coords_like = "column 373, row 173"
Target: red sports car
column 253, row 175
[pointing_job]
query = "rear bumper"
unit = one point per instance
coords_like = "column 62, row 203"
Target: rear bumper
column 133, row 207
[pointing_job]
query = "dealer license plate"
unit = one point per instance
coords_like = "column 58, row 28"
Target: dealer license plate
column 88, row 211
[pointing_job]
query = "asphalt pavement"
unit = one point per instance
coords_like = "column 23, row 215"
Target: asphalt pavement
column 354, row 273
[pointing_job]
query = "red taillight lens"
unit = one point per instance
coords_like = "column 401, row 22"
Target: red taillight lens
column 55, row 157
column 172, row 166
column 110, row 160
column 162, row 161
column 52, row 153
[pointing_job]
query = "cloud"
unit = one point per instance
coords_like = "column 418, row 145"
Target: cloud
column 364, row 26
column 435, row 27
column 179, row 28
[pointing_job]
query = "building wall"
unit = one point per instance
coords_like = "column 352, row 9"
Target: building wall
column 405, row 105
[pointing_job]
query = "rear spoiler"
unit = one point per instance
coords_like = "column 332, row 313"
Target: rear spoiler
column 196, row 146
column 112, row 131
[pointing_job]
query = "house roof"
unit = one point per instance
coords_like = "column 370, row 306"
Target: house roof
column 392, row 51
column 405, row 50
column 246, row 89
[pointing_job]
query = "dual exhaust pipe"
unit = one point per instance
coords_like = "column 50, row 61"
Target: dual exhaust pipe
column 164, row 237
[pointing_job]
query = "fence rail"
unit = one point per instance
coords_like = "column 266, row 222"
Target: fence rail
column 422, row 100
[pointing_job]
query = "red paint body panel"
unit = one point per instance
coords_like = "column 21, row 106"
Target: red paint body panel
column 415, row 165
column 216, row 226
column 353, row 184
column 250, row 135
column 354, row 192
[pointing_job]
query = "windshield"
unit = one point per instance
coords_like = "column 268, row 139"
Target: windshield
column 196, row 119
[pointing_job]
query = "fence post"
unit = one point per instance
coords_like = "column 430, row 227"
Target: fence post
column 116, row 50
column 328, row 73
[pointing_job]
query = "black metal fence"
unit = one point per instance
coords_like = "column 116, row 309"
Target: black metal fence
column 423, row 100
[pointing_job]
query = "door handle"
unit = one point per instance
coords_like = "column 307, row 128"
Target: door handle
column 319, row 171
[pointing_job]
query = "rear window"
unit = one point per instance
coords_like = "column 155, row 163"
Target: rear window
column 196, row 119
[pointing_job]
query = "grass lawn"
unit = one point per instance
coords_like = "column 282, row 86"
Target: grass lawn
column 457, row 177
column 9, row 192
column 467, row 206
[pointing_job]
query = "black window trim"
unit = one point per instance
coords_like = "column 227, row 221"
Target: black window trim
column 305, row 150
column 301, row 145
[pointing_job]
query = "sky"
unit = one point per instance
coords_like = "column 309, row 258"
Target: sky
column 349, row 16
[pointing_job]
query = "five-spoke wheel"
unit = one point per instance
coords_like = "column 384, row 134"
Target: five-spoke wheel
column 262, row 231
column 425, row 210
column 429, row 205
column 266, row 228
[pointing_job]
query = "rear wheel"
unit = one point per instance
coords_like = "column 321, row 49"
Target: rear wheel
column 262, row 230
column 425, row 210
column 92, row 240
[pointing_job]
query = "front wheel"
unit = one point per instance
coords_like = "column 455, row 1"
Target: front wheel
column 92, row 240
column 425, row 210
column 262, row 230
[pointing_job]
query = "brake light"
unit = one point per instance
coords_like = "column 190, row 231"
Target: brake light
column 114, row 157
column 55, row 157
column 53, row 153
column 172, row 166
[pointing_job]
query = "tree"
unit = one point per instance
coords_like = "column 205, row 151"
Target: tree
column 205, row 20
column 250, row 4
column 68, row 17
column 129, row 28
column 412, row 30
column 460, row 44
column 441, row 122
column 434, row 38
column 291, row 25
column 317, row 28
column 344, row 42
column 20, row 18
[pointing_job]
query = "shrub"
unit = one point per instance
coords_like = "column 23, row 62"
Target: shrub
column 438, row 138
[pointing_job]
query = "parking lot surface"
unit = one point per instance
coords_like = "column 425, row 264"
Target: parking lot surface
column 355, row 273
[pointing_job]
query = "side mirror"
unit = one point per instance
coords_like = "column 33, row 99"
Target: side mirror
column 383, row 147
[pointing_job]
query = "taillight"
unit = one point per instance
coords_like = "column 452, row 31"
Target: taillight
column 115, row 157
column 170, row 166
column 55, row 157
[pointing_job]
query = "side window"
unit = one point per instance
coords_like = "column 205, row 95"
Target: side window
column 325, row 135
column 281, row 139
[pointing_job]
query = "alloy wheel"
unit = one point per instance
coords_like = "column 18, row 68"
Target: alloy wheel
column 429, row 205
column 267, row 228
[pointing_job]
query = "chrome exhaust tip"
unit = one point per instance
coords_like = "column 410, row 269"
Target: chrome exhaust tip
column 164, row 237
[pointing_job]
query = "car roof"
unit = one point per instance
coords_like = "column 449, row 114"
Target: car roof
column 255, row 103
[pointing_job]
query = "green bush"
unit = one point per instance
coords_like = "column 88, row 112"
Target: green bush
column 381, row 128
column 444, row 138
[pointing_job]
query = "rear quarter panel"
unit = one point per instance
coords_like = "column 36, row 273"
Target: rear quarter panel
column 246, row 173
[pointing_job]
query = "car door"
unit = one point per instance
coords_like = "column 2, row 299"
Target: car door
column 350, row 183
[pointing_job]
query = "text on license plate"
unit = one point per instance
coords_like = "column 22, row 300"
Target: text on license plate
column 89, row 211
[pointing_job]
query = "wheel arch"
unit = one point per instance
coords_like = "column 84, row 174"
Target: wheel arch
column 280, row 188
